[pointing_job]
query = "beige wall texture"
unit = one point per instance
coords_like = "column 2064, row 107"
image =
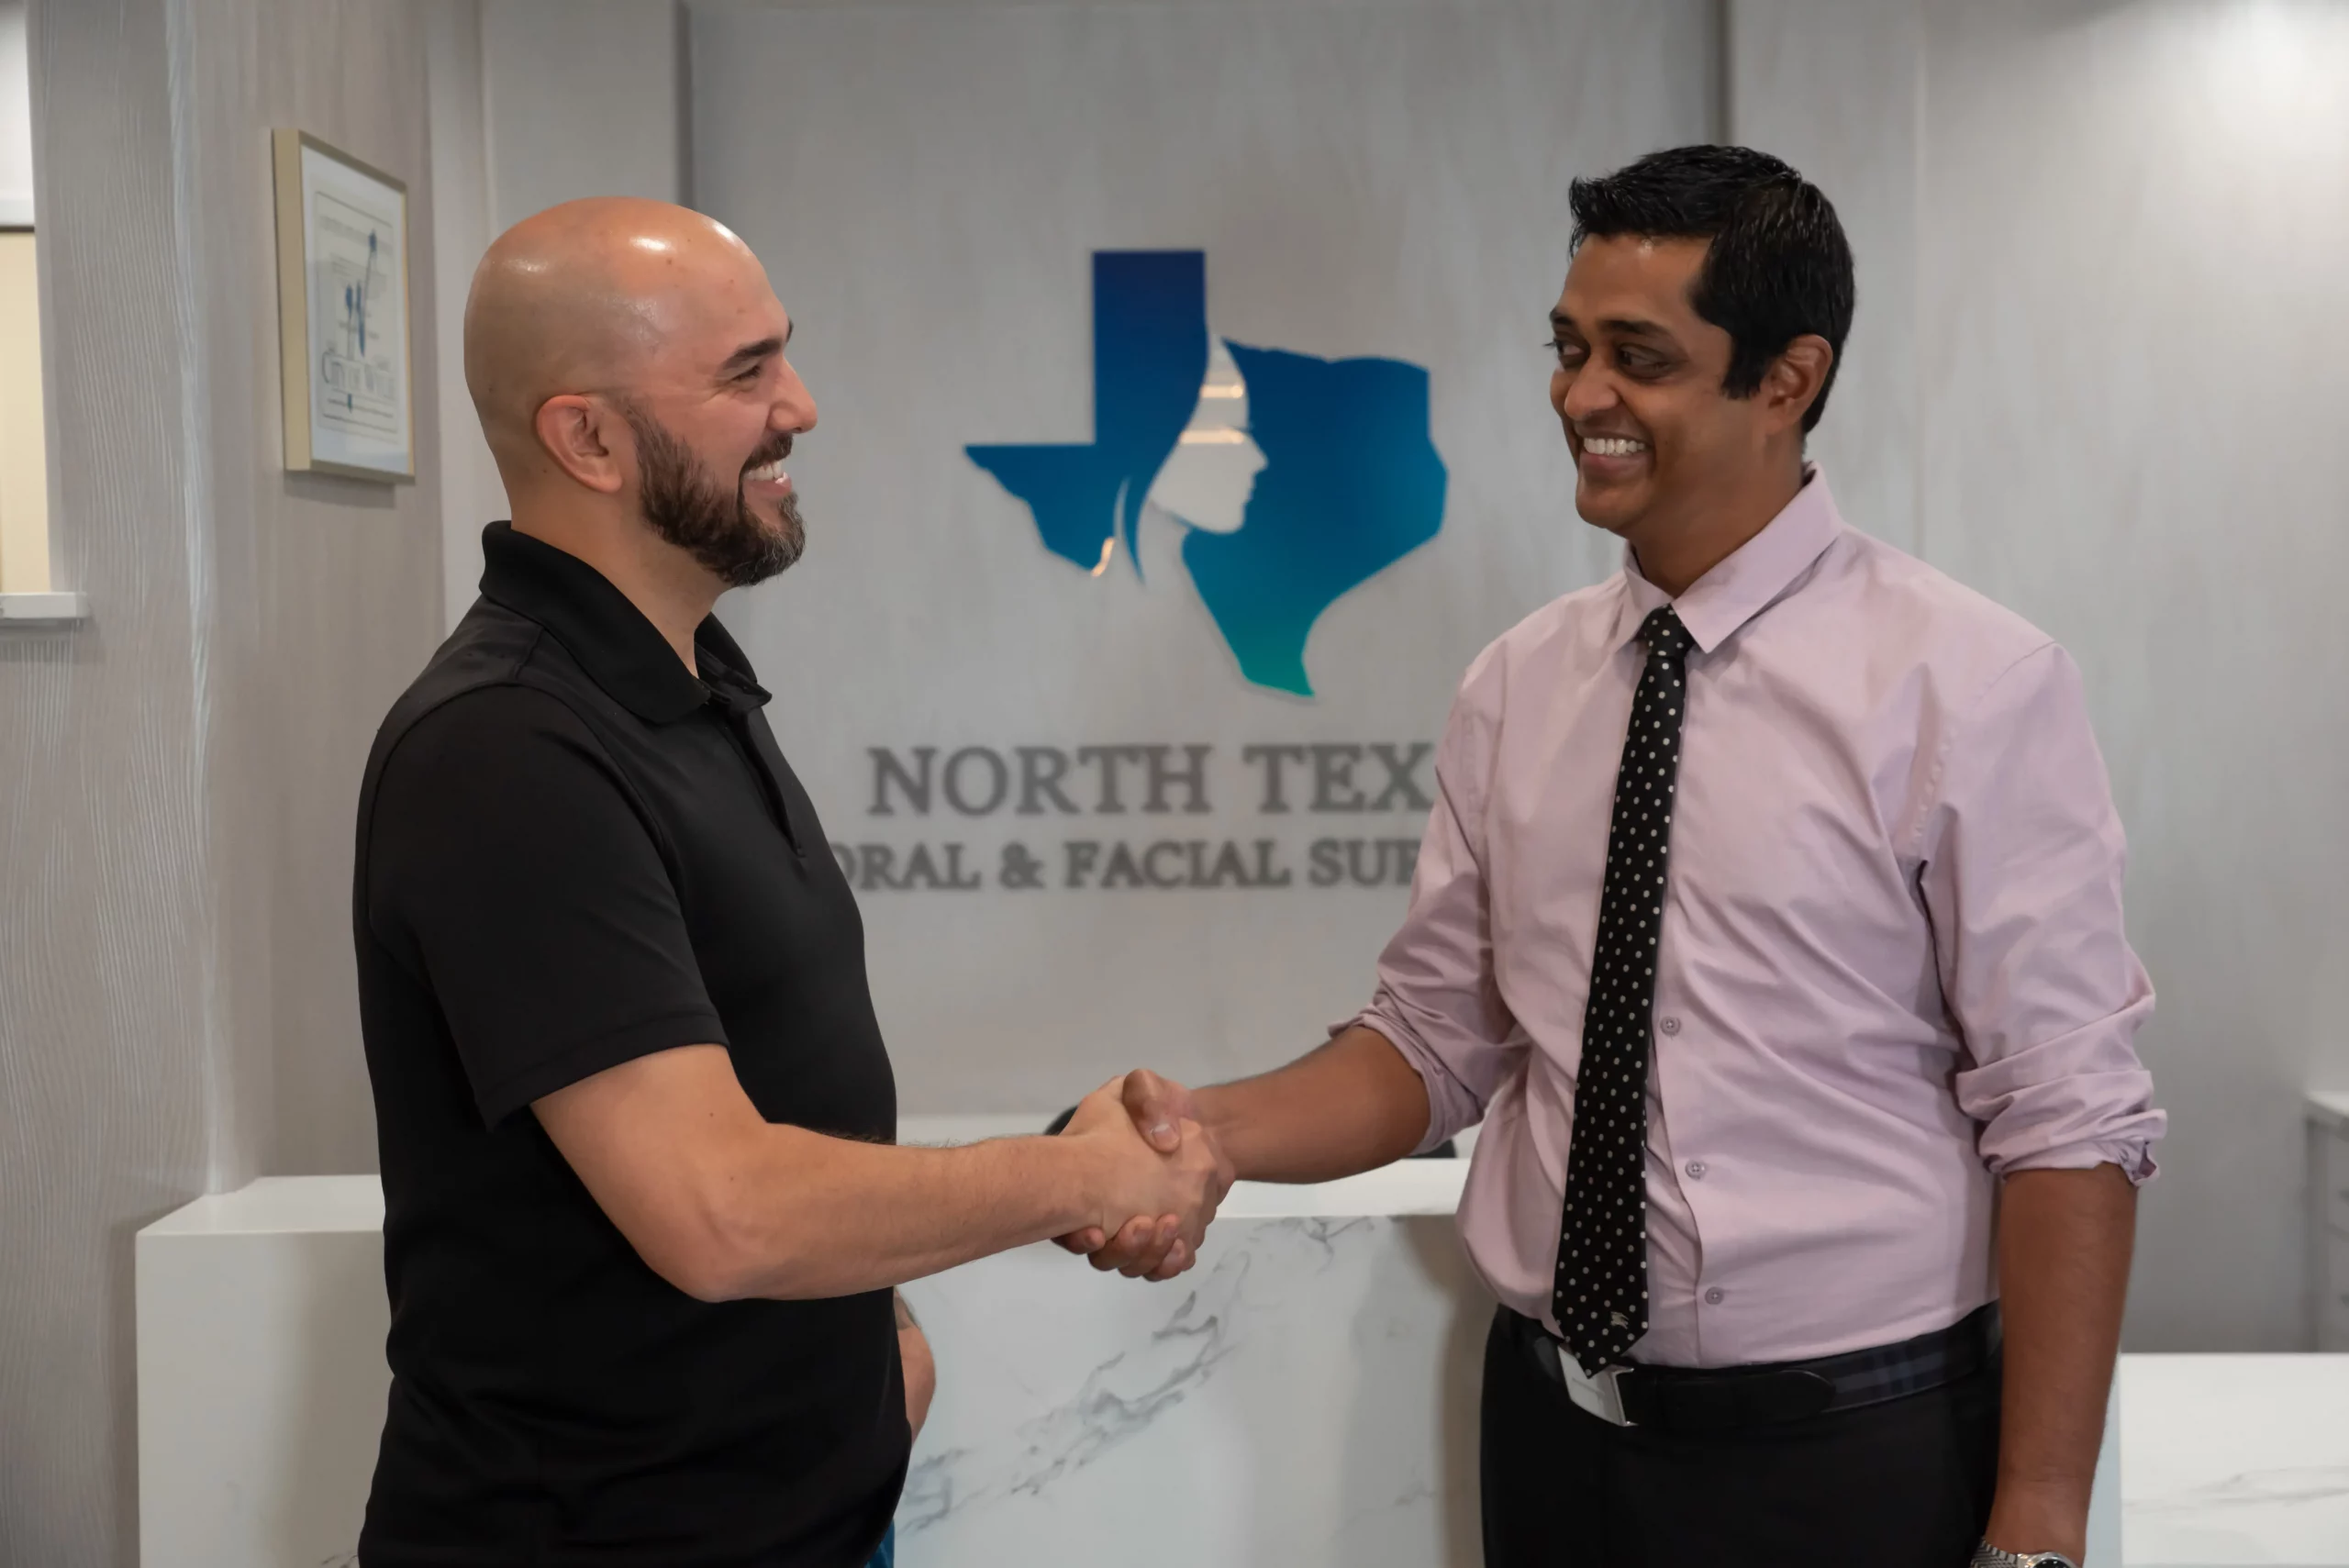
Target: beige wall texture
column 24, row 461
column 177, row 1002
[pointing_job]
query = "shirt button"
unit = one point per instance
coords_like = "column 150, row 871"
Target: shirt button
column 1696, row 1170
column 1671, row 1025
column 1713, row 1296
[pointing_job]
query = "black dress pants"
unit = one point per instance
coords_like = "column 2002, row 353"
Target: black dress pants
column 1903, row 1485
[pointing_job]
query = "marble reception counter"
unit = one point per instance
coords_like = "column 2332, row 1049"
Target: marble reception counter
column 2233, row 1460
column 1305, row 1396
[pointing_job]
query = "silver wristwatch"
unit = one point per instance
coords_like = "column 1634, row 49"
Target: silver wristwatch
column 1988, row 1556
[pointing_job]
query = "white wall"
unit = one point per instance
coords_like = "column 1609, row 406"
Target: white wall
column 2135, row 363
column 1833, row 87
column 534, row 102
column 2101, row 331
column 16, row 118
column 470, row 493
column 584, row 100
column 177, row 1004
column 926, row 186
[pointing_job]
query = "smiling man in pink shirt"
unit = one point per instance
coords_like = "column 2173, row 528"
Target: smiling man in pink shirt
column 1769, row 919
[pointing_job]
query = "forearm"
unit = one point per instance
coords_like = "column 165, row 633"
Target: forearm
column 723, row 1204
column 1352, row 1105
column 2064, row 1240
column 807, row 1215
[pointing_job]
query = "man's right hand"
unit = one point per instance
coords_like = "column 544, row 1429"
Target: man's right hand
column 1161, row 1176
column 1352, row 1105
column 1164, row 1113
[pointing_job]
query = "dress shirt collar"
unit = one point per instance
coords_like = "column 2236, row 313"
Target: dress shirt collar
column 621, row 652
column 1754, row 577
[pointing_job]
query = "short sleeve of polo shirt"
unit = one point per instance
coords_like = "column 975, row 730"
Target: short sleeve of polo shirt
column 508, row 867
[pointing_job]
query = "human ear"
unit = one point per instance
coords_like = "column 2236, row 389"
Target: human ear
column 1795, row 377
column 574, row 431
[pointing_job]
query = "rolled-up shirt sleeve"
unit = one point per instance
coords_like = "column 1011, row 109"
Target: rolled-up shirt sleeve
column 2023, row 858
column 1436, row 999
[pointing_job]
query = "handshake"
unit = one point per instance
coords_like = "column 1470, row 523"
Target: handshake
column 1159, row 1177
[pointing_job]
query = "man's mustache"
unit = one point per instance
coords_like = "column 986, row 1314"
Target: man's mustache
column 772, row 449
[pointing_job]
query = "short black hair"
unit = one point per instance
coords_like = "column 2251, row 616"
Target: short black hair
column 1779, row 265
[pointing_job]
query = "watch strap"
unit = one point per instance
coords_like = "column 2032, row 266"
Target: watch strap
column 1988, row 1556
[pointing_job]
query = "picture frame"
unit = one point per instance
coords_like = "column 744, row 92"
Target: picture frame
column 346, row 356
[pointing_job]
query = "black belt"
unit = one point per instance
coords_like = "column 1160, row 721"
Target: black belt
column 1728, row 1399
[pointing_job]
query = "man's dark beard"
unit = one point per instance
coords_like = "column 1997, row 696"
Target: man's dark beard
column 688, row 507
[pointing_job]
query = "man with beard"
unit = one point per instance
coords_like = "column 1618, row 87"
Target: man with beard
column 643, row 1211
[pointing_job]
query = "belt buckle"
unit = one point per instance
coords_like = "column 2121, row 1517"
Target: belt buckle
column 1601, row 1394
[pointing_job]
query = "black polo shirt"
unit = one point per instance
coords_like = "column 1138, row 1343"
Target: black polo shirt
column 571, row 853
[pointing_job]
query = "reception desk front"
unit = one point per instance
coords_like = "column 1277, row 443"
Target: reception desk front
column 1306, row 1396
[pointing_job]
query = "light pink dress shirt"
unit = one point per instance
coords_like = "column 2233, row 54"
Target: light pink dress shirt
column 1892, row 964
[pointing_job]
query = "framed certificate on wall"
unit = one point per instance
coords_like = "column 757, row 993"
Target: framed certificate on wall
column 349, row 371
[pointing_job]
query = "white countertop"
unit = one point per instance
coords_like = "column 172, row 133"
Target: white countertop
column 276, row 1205
column 2228, row 1460
column 283, row 1205
column 2330, row 1107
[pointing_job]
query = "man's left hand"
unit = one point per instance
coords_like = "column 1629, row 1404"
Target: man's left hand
column 921, row 1367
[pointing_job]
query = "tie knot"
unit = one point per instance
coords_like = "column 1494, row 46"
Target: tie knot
column 1665, row 636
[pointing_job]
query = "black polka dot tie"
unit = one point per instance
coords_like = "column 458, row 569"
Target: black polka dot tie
column 1601, row 1292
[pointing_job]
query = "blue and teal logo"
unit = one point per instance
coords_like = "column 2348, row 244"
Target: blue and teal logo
column 1322, row 471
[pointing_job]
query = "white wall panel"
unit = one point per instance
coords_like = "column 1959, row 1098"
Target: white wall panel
column 177, row 1009
column 583, row 101
column 2134, row 362
column 1833, row 87
column 926, row 186
column 16, row 116
column 534, row 102
column 470, row 492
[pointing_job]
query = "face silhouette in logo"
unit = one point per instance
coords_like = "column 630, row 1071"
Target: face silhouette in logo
column 1294, row 479
column 1206, row 481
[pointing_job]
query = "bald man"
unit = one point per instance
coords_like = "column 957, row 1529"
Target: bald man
column 643, row 1209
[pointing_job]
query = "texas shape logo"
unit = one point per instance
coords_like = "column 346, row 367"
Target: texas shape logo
column 1295, row 480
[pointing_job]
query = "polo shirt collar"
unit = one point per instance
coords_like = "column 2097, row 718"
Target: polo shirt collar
column 621, row 652
column 1755, row 576
column 725, row 670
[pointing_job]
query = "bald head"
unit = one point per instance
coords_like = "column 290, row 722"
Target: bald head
column 612, row 293
column 626, row 358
